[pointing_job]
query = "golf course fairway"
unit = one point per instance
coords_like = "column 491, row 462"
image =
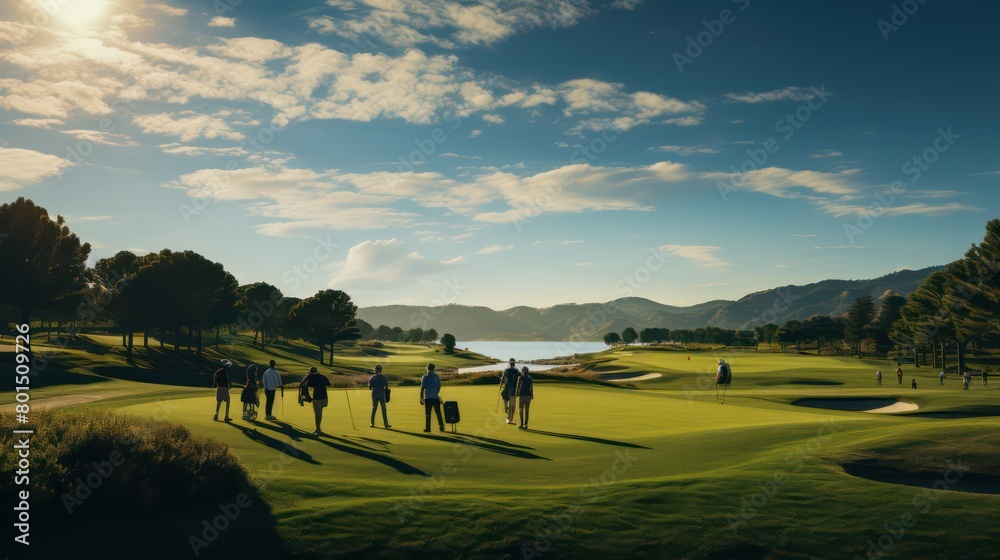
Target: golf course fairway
column 657, row 469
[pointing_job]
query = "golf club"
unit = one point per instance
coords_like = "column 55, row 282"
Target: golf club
column 282, row 403
column 498, row 403
column 349, row 411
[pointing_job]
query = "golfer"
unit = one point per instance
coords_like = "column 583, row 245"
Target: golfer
column 508, row 385
column 272, row 380
column 965, row 380
column 249, row 394
column 985, row 376
column 878, row 376
column 525, row 392
column 899, row 375
column 221, row 383
column 319, row 398
column 913, row 383
column 378, row 385
column 941, row 378
column 430, row 397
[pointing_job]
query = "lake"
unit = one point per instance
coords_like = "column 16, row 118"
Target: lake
column 533, row 350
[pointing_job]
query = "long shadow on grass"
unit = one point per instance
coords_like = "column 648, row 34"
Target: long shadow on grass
column 472, row 442
column 498, row 442
column 400, row 466
column 592, row 439
column 275, row 444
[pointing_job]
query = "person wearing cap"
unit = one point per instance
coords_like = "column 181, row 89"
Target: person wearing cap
column 508, row 385
column 525, row 392
column 378, row 385
column 430, row 397
column 878, row 376
column 221, row 383
column 319, row 398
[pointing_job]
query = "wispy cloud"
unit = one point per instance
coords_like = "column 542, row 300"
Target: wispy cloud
column 704, row 256
column 495, row 248
column 19, row 167
column 793, row 93
column 686, row 150
column 386, row 263
column 219, row 21
column 827, row 153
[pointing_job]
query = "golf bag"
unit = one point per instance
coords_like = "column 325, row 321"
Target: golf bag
column 725, row 377
column 451, row 414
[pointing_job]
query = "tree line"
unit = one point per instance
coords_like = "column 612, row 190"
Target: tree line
column 954, row 310
column 179, row 295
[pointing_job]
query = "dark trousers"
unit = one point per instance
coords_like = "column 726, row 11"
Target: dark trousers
column 269, row 395
column 436, row 405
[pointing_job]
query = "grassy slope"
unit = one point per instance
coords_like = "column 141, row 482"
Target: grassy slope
column 695, row 466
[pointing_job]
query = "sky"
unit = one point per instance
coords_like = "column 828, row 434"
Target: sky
column 509, row 152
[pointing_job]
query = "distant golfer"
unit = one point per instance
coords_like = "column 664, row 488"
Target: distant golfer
column 941, row 378
column 525, row 392
column 878, row 376
column 378, row 385
column 899, row 375
column 221, row 383
column 319, row 397
column 272, row 380
column 985, row 377
column 508, row 386
column 965, row 380
column 430, row 397
column 913, row 384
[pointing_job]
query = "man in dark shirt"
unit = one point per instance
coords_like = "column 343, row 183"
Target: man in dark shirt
column 320, row 400
column 508, row 383
column 525, row 392
column 378, row 385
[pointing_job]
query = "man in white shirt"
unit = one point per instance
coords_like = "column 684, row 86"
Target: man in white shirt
column 272, row 380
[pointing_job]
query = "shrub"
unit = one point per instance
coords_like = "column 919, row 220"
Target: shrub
column 160, row 466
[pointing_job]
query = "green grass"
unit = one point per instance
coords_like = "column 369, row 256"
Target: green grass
column 658, row 471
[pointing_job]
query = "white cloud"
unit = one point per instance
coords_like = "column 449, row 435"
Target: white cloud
column 408, row 23
column 219, row 21
column 387, row 263
column 787, row 183
column 495, row 248
column 188, row 126
column 686, row 150
column 47, row 124
column 131, row 20
column 827, row 153
column 625, row 4
column 583, row 264
column 169, row 10
column 704, row 256
column 184, row 150
column 803, row 235
column 98, row 137
column 252, row 49
column 454, row 155
column 19, row 167
column 984, row 173
column 839, row 210
column 52, row 99
column 475, row 133
column 493, row 119
column 793, row 93
column 585, row 97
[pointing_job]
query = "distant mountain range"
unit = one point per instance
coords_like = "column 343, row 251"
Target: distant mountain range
column 590, row 321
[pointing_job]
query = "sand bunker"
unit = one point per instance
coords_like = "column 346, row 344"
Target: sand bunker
column 626, row 377
column 873, row 406
column 977, row 483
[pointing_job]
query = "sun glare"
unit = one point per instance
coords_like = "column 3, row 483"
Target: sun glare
column 79, row 13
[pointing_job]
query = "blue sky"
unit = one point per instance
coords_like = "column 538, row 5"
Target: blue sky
column 509, row 152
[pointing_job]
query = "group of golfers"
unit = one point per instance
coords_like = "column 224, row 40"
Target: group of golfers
column 966, row 378
column 515, row 388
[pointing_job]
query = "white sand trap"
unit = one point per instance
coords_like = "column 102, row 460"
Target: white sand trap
column 894, row 408
column 626, row 377
column 873, row 406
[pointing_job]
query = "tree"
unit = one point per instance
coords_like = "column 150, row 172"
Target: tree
column 654, row 335
column 43, row 263
column 448, row 341
column 629, row 336
column 859, row 317
column 325, row 318
column 790, row 333
column 256, row 305
column 888, row 313
column 384, row 332
column 365, row 329
column 431, row 335
column 612, row 339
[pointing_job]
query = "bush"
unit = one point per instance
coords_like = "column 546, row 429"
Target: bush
column 156, row 466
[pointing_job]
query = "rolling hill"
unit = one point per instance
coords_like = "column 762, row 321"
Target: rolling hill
column 589, row 321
